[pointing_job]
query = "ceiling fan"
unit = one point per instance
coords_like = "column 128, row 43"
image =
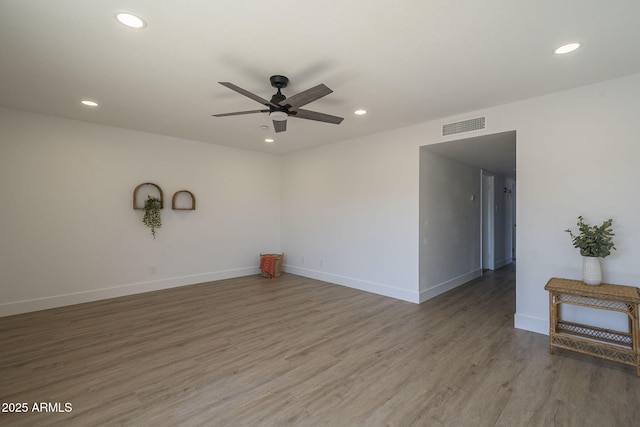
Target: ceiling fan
column 280, row 107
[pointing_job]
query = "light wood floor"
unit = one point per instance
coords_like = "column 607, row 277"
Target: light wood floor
column 295, row 351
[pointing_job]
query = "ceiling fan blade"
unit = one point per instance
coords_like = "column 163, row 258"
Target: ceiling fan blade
column 306, row 96
column 240, row 113
column 314, row 115
column 248, row 94
column 279, row 125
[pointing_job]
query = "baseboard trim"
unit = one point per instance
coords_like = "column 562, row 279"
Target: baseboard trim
column 533, row 324
column 37, row 304
column 503, row 262
column 443, row 287
column 350, row 282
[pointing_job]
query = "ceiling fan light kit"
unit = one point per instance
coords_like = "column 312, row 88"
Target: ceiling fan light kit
column 280, row 107
column 278, row 116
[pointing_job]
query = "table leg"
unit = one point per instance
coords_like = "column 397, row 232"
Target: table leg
column 553, row 321
column 634, row 326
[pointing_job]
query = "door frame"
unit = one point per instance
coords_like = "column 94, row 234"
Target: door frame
column 487, row 219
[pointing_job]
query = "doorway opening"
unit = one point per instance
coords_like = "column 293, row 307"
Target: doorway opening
column 467, row 210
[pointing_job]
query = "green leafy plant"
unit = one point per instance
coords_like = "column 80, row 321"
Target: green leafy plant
column 152, row 217
column 593, row 241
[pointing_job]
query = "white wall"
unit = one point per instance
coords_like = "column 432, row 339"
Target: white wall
column 351, row 210
column 510, row 218
column 503, row 222
column 449, row 223
column 356, row 203
column 68, row 230
column 578, row 154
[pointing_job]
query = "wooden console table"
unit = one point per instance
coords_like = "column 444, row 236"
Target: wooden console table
column 623, row 347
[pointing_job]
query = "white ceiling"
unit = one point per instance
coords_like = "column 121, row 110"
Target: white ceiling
column 406, row 61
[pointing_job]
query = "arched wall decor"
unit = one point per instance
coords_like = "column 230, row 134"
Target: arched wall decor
column 135, row 196
column 193, row 201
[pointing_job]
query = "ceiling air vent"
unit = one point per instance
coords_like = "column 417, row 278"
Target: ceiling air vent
column 463, row 126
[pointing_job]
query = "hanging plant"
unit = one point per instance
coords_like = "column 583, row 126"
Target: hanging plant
column 152, row 217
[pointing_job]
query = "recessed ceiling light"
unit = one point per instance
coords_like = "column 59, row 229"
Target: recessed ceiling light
column 567, row 48
column 89, row 103
column 130, row 20
column 269, row 140
column 360, row 112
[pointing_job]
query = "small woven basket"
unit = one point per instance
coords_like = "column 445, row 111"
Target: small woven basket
column 279, row 261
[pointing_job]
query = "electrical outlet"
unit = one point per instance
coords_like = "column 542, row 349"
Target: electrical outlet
column 302, row 259
column 321, row 262
column 153, row 269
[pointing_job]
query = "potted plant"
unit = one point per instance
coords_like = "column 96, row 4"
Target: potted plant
column 152, row 217
column 594, row 242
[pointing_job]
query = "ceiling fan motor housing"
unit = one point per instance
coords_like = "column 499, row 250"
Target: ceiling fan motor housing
column 278, row 82
column 277, row 99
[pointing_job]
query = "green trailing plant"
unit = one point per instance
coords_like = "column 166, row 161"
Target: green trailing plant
column 593, row 241
column 152, row 218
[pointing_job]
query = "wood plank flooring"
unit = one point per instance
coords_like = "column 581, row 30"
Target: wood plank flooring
column 299, row 352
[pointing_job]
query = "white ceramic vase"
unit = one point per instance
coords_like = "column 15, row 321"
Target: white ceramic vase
column 591, row 272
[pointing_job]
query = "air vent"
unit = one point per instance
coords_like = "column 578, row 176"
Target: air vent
column 463, row 126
